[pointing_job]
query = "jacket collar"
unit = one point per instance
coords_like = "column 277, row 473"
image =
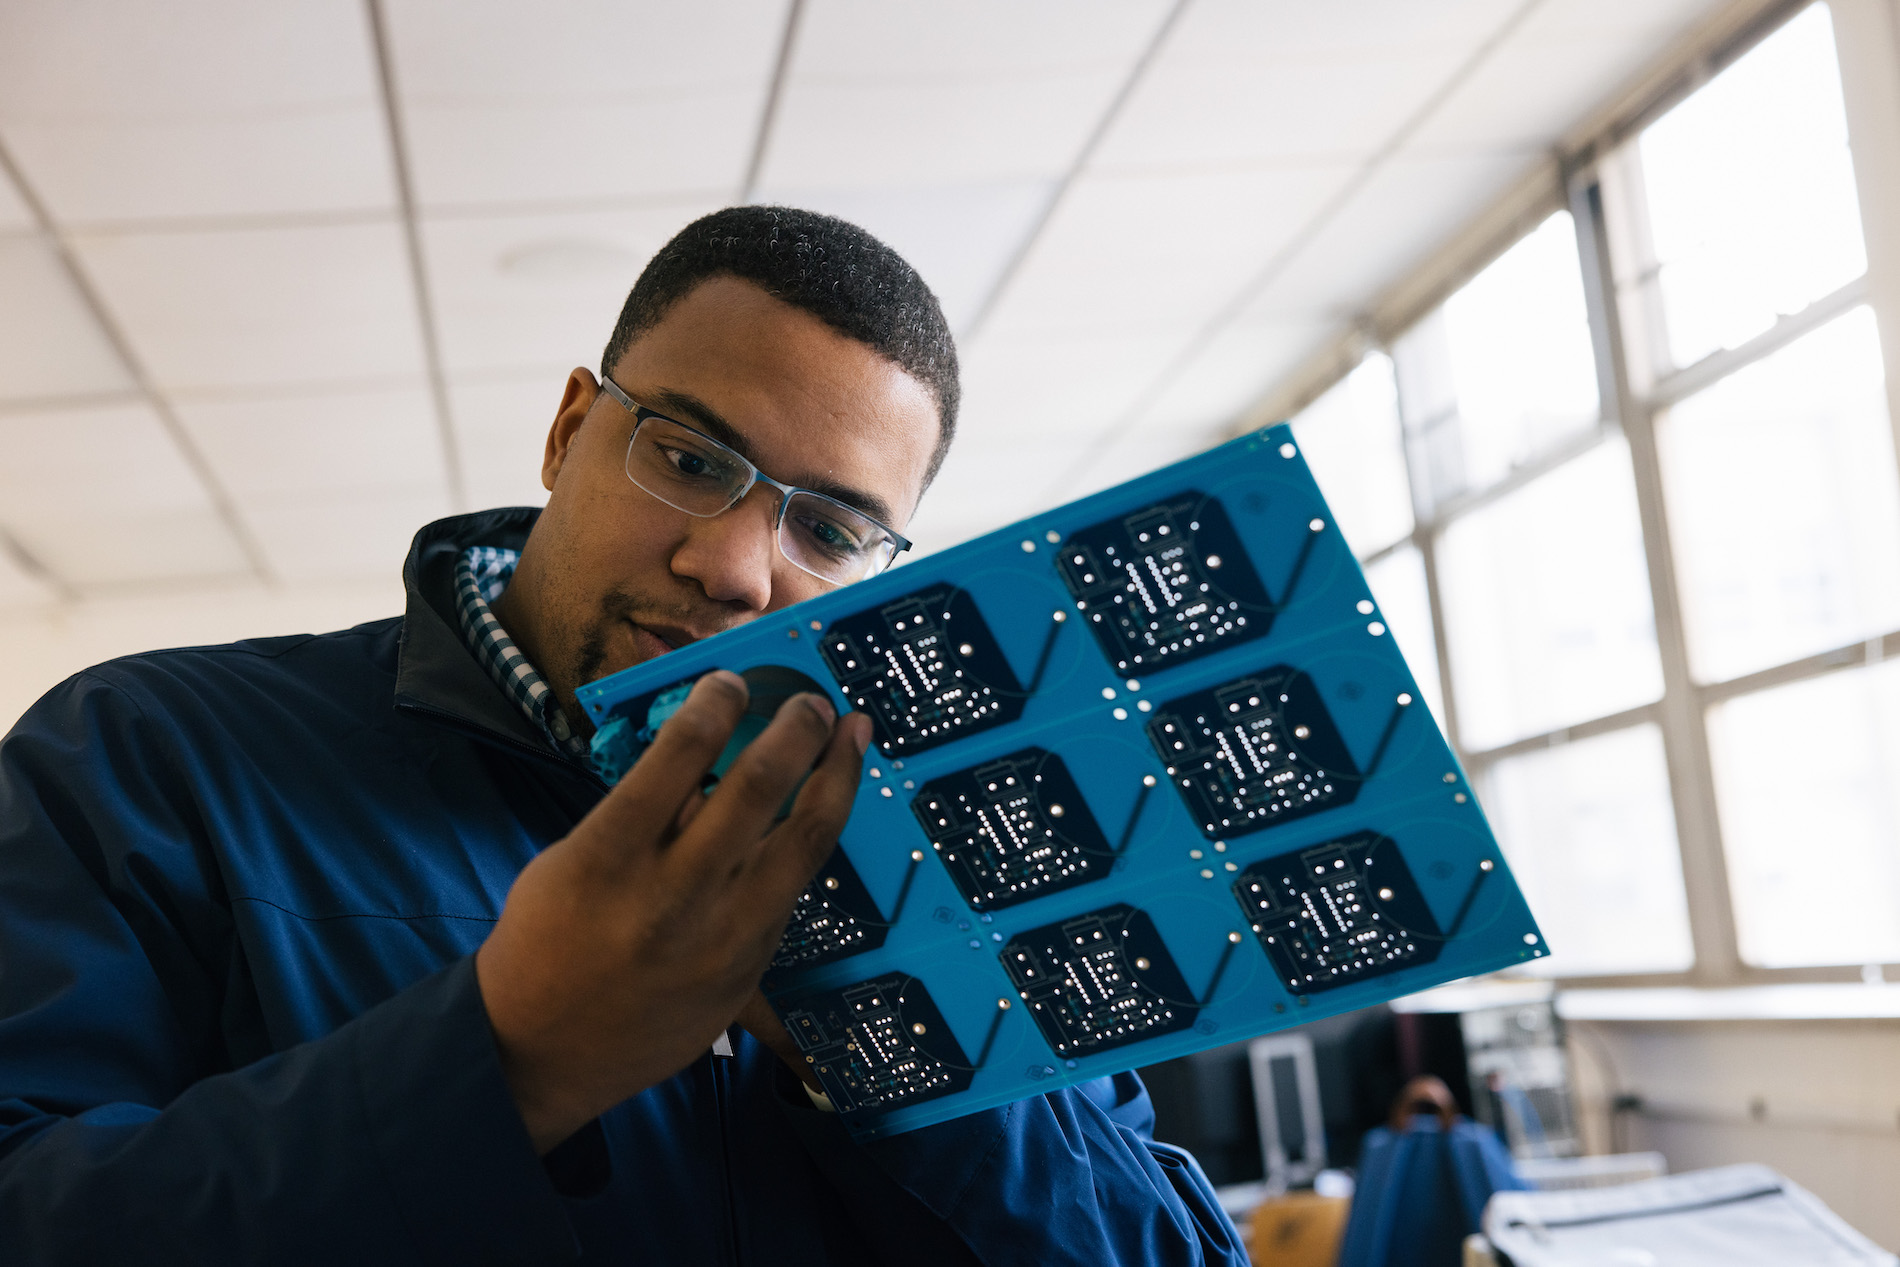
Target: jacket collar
column 435, row 670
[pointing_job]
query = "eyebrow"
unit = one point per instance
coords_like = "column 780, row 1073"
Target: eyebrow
column 691, row 409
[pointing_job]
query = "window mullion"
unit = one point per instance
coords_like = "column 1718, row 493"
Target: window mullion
column 1425, row 538
column 1867, row 42
column 1621, row 361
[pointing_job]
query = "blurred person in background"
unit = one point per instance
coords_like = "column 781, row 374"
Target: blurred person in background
column 333, row 949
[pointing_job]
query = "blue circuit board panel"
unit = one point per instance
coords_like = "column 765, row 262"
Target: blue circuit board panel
column 1147, row 776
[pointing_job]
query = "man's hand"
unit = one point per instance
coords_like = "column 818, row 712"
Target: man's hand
column 626, row 947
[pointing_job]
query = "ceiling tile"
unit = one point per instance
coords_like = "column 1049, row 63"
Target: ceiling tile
column 1140, row 252
column 1227, row 375
column 1225, row 33
column 986, row 482
column 503, row 425
column 948, row 94
column 1565, row 60
column 49, row 343
column 1137, row 453
column 362, row 536
column 99, row 460
column 267, row 450
column 15, row 215
column 959, row 237
column 516, row 293
column 1389, row 226
column 1061, row 390
column 121, row 111
column 21, row 590
column 510, row 104
column 1290, row 82
column 103, row 496
column 116, row 547
column 266, row 307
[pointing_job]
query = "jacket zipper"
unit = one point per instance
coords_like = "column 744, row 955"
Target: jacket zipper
column 721, row 1082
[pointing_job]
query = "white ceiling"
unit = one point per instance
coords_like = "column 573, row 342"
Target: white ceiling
column 281, row 282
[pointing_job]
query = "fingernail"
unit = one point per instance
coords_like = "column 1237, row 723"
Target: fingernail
column 861, row 735
column 822, row 706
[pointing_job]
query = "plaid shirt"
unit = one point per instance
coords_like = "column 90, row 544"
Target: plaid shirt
column 480, row 576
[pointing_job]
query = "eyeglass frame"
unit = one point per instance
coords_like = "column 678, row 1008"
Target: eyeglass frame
column 756, row 477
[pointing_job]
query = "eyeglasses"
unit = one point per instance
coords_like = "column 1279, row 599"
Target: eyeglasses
column 693, row 472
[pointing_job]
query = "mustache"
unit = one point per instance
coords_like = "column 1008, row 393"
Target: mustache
column 618, row 605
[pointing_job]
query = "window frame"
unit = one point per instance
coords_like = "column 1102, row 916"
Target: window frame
column 1599, row 182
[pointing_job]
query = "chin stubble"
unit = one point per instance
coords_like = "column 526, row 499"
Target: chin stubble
column 590, row 655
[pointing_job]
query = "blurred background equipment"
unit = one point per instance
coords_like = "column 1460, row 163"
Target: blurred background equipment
column 1732, row 1216
column 1285, row 1084
column 1520, row 1078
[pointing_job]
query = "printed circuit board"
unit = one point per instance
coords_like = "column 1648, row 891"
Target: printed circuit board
column 1148, row 776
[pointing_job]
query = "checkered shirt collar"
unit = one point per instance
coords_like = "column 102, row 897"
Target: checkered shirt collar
column 481, row 575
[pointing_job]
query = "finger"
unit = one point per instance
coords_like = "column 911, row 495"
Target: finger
column 646, row 801
column 799, row 845
column 740, row 810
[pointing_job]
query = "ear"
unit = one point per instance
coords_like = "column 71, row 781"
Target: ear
column 576, row 399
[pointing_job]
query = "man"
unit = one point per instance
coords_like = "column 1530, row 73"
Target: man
column 332, row 950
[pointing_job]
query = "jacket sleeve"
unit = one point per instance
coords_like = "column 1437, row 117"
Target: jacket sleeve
column 1073, row 1176
column 126, row 1136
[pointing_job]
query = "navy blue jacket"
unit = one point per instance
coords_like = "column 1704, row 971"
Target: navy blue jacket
column 240, row 888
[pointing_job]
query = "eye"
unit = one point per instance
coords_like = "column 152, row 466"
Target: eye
column 685, row 461
column 834, row 538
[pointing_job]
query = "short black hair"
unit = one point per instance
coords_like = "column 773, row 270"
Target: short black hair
column 830, row 268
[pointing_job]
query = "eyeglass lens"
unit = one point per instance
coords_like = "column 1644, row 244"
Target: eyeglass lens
column 702, row 477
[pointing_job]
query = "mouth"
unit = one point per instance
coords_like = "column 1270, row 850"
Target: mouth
column 657, row 640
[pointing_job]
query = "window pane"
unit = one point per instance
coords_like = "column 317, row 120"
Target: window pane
column 1398, row 584
column 1784, row 504
column 1591, row 836
column 1352, row 442
column 1750, row 187
column 1505, row 369
column 1808, row 781
column 1547, row 608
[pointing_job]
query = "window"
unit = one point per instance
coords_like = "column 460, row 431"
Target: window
column 1351, row 440
column 1647, row 518
column 1589, row 830
column 1547, row 603
column 1809, row 828
column 1784, row 509
column 1503, row 371
column 1751, row 210
column 1398, row 583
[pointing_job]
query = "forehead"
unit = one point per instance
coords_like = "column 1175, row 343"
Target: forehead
column 810, row 406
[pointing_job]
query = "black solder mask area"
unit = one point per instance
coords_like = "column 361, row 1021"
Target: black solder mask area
column 1341, row 912
column 834, row 919
column 1099, row 981
column 879, row 1044
column 1012, row 830
column 926, row 668
column 1165, row 585
column 1254, row 752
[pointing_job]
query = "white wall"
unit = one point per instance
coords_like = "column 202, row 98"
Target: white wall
column 1817, row 1100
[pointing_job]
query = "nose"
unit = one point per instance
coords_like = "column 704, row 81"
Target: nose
column 735, row 556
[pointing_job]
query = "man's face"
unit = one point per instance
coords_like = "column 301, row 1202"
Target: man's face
column 612, row 576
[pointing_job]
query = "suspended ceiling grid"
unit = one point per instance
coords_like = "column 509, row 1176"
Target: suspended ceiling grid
column 279, row 283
